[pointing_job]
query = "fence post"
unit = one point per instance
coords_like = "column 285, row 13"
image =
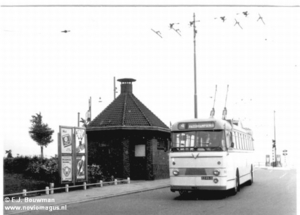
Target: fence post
column 24, row 192
column 47, row 190
column 116, row 181
column 51, row 188
column 67, row 188
column 84, row 185
column 128, row 180
column 101, row 183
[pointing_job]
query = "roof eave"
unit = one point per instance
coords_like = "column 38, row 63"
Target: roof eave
column 142, row 128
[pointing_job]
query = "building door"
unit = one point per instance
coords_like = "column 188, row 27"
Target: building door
column 138, row 163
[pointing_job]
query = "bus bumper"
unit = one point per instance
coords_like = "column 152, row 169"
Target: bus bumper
column 194, row 188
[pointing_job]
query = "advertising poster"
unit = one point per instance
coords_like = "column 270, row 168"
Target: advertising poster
column 80, row 144
column 80, row 167
column 66, row 168
column 66, row 140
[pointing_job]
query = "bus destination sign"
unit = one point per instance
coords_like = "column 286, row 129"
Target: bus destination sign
column 196, row 125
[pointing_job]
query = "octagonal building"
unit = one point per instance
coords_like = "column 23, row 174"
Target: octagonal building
column 127, row 140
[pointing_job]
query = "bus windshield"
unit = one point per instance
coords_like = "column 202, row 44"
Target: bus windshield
column 199, row 141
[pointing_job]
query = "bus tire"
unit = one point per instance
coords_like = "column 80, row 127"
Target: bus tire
column 250, row 182
column 236, row 187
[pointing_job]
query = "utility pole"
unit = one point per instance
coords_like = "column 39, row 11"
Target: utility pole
column 90, row 108
column 114, row 87
column 195, row 69
column 78, row 119
column 275, row 140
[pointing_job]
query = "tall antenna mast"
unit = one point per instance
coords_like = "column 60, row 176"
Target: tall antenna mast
column 195, row 70
column 225, row 110
column 212, row 112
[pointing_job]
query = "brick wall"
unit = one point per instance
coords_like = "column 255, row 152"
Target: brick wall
column 126, row 158
column 160, row 160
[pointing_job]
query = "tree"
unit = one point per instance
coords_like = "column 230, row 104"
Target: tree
column 40, row 132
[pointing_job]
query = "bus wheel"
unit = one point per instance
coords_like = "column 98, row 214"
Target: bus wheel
column 252, row 177
column 237, row 184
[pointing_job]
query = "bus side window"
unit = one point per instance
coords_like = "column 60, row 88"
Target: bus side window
column 230, row 144
column 249, row 144
column 243, row 141
column 237, row 140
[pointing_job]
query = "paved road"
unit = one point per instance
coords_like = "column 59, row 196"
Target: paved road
column 273, row 192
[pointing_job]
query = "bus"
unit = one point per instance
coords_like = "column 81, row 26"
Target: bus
column 210, row 154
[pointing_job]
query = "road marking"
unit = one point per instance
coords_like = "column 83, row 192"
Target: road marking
column 283, row 175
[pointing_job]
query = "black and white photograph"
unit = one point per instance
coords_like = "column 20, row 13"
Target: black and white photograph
column 150, row 107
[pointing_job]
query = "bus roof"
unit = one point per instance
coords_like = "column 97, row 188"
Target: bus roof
column 209, row 124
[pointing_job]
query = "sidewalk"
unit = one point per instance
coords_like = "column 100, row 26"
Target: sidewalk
column 93, row 193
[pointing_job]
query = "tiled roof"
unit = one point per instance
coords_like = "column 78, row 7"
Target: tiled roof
column 127, row 112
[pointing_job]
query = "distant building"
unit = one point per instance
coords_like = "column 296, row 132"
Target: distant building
column 127, row 140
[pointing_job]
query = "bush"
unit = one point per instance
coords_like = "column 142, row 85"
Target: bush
column 15, row 183
column 16, row 165
column 34, row 168
column 44, row 170
column 95, row 173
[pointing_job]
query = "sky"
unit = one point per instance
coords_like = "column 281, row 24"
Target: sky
column 55, row 73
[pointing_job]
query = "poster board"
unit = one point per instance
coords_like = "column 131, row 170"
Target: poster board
column 72, row 154
column 66, row 169
column 80, row 157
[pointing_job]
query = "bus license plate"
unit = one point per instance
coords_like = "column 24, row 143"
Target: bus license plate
column 206, row 177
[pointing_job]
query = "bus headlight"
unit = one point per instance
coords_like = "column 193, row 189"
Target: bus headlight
column 216, row 172
column 175, row 172
column 216, row 180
